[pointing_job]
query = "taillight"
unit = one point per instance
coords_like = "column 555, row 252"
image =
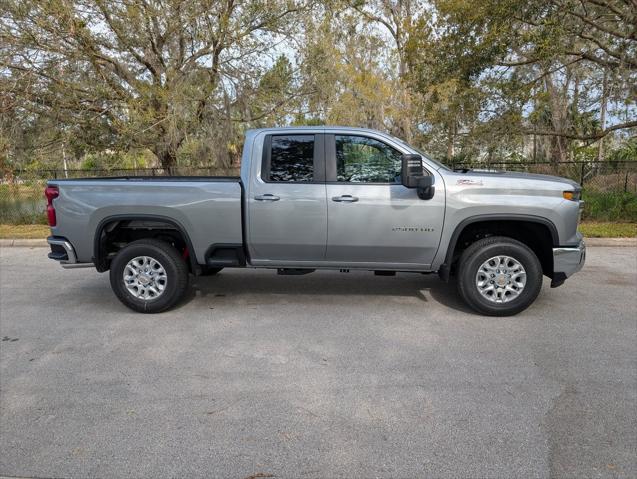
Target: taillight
column 51, row 192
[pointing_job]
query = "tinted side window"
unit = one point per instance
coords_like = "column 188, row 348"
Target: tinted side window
column 292, row 158
column 365, row 160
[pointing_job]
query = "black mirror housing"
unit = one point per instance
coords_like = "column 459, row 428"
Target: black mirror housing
column 411, row 170
column 425, row 182
column 426, row 187
column 413, row 176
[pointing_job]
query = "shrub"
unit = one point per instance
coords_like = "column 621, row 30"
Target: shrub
column 610, row 206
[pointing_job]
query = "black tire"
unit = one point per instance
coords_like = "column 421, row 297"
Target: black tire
column 176, row 273
column 481, row 251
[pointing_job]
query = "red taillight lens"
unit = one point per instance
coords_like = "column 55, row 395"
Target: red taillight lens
column 51, row 192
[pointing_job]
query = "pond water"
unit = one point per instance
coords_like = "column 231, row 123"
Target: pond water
column 22, row 210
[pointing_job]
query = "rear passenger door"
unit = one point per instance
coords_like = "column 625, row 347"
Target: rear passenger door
column 286, row 200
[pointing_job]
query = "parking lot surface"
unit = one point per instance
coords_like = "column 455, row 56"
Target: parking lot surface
column 325, row 375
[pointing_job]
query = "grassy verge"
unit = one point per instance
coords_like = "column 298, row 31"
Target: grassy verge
column 592, row 229
column 600, row 206
column 24, row 231
column 589, row 229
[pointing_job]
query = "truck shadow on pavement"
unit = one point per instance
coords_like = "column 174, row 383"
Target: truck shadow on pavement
column 270, row 288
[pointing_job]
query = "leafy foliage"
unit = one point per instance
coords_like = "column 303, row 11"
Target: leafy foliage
column 169, row 83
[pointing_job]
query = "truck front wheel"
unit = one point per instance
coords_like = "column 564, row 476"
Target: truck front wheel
column 499, row 276
column 149, row 276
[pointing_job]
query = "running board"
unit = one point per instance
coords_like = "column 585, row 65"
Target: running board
column 294, row 271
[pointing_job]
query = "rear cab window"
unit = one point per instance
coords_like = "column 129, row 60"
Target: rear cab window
column 289, row 159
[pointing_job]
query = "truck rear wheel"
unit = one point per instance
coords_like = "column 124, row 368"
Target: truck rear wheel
column 149, row 276
column 499, row 276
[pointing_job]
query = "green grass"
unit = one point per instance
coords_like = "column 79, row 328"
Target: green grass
column 592, row 229
column 609, row 206
column 588, row 229
column 24, row 231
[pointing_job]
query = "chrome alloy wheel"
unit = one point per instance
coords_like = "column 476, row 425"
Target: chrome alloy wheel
column 501, row 279
column 145, row 278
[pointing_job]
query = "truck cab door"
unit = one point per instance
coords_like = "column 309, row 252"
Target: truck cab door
column 286, row 202
column 373, row 220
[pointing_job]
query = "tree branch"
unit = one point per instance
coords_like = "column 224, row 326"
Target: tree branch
column 612, row 8
column 602, row 28
column 593, row 136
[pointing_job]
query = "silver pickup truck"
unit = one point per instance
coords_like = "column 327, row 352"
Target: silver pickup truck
column 323, row 198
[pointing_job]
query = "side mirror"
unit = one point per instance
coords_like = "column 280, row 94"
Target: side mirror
column 426, row 188
column 413, row 176
column 411, row 170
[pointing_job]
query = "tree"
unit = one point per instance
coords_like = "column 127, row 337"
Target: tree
column 152, row 69
column 539, row 64
column 348, row 74
column 398, row 18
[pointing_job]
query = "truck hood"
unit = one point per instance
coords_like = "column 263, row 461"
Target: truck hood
column 515, row 175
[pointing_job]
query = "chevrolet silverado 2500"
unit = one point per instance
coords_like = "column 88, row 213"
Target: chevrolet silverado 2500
column 323, row 198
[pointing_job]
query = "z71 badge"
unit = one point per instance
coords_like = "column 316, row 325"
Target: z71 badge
column 468, row 182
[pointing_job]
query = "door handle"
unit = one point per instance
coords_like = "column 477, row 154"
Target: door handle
column 345, row 199
column 267, row 197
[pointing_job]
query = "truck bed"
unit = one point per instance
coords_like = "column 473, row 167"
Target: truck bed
column 207, row 208
column 154, row 178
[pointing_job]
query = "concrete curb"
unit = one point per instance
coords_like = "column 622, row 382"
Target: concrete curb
column 631, row 242
column 41, row 243
column 38, row 243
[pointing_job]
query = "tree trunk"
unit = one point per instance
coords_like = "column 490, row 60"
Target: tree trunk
column 405, row 118
column 558, row 105
column 66, row 173
column 574, row 113
column 451, row 140
column 602, row 117
column 558, row 150
column 167, row 156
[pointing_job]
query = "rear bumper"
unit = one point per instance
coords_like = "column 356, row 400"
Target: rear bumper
column 567, row 261
column 63, row 251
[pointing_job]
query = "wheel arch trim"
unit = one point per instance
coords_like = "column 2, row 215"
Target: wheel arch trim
column 97, row 254
column 444, row 269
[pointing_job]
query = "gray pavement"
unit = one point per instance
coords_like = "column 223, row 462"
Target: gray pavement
column 325, row 375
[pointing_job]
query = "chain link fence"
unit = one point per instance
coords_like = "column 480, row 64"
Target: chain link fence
column 609, row 188
column 616, row 176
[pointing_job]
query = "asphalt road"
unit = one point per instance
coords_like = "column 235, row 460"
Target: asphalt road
column 325, row 375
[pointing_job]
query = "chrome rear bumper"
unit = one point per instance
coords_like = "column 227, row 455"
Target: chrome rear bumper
column 62, row 251
column 567, row 261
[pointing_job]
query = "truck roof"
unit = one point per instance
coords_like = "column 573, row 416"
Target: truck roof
column 283, row 129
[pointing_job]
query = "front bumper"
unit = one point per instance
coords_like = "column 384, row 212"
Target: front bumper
column 567, row 261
